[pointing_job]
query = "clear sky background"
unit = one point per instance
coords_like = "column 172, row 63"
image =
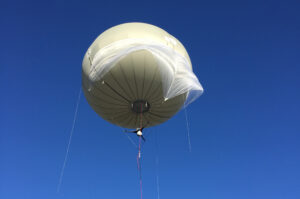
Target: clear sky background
column 245, row 128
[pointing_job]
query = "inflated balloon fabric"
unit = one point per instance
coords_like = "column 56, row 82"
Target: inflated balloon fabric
column 145, row 69
column 175, row 70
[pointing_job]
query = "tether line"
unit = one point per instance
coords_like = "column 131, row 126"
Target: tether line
column 157, row 165
column 188, row 129
column 69, row 143
column 139, row 156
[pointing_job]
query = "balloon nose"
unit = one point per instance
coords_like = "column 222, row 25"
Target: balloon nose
column 140, row 106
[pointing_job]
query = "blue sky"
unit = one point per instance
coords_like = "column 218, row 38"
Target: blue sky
column 244, row 128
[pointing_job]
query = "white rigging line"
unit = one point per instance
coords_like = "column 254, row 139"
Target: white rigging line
column 157, row 165
column 188, row 129
column 69, row 143
column 125, row 133
column 131, row 140
column 157, row 176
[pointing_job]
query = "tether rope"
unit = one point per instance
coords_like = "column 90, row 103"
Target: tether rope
column 157, row 165
column 130, row 139
column 139, row 156
column 188, row 129
column 69, row 143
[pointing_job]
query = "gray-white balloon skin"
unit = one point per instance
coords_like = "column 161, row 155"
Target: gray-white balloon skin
column 136, row 75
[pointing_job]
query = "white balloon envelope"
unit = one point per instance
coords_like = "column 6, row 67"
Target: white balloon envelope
column 136, row 74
